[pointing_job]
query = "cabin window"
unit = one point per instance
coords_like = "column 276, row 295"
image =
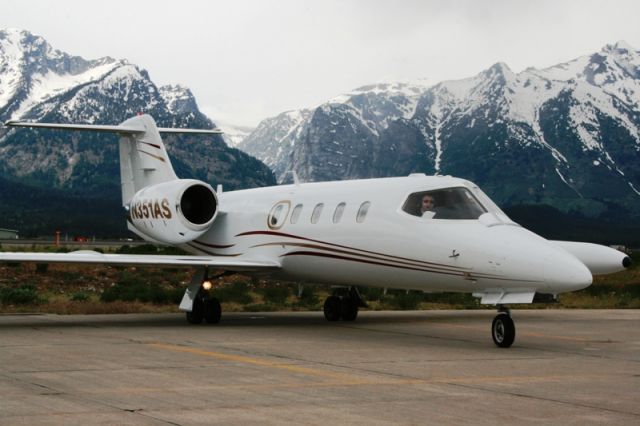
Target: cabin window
column 317, row 211
column 448, row 203
column 278, row 215
column 362, row 211
column 295, row 214
column 337, row 214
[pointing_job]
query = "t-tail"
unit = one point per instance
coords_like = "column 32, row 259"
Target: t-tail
column 161, row 207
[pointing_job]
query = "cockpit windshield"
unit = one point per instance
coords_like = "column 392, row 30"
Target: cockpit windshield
column 448, row 203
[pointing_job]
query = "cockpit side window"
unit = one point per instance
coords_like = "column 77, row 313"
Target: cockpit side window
column 448, row 203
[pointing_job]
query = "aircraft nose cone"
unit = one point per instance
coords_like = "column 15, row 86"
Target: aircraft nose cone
column 626, row 262
column 563, row 272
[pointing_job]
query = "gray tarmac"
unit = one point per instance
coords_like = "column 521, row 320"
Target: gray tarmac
column 569, row 367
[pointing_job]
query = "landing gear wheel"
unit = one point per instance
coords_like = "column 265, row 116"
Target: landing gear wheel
column 212, row 311
column 197, row 312
column 332, row 308
column 503, row 330
column 349, row 309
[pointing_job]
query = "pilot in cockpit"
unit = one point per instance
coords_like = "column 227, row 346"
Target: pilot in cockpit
column 427, row 206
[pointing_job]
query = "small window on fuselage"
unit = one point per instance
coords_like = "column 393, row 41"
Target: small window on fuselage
column 337, row 214
column 295, row 214
column 362, row 211
column 278, row 214
column 449, row 203
column 317, row 211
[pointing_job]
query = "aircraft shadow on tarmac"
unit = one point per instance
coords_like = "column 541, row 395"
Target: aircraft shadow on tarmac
column 235, row 319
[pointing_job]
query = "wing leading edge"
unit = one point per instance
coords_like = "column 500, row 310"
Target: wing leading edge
column 94, row 257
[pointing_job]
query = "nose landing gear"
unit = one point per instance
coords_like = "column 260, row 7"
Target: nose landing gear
column 503, row 330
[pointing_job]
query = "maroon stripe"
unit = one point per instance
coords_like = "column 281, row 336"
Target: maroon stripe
column 151, row 144
column 370, row 262
column 465, row 275
column 217, row 246
column 319, row 247
column 151, row 155
column 282, row 234
column 212, row 253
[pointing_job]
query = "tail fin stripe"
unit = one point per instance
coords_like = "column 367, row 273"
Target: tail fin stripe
column 151, row 155
column 151, row 144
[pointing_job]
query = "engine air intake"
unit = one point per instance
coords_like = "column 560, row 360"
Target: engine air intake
column 198, row 204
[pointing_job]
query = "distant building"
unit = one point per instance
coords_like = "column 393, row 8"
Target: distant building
column 8, row 234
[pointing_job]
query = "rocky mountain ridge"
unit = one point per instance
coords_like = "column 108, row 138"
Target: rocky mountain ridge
column 40, row 83
column 567, row 135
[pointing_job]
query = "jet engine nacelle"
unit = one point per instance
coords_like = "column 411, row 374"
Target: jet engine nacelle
column 598, row 259
column 174, row 212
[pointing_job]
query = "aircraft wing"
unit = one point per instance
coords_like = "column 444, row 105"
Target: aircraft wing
column 94, row 257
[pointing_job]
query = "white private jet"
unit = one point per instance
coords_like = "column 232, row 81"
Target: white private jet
column 373, row 232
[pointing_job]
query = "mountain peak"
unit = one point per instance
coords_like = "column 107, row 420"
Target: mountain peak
column 17, row 34
column 26, row 41
column 178, row 98
column 619, row 47
column 500, row 67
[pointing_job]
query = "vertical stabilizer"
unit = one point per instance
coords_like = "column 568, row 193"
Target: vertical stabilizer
column 143, row 158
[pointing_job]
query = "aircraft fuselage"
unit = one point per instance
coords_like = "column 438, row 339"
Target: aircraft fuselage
column 388, row 246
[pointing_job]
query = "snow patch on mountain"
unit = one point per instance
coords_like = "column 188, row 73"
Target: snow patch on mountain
column 176, row 97
column 554, row 123
column 234, row 135
column 50, row 84
column 280, row 133
column 11, row 58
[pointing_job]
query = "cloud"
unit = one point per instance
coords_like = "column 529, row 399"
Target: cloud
column 248, row 59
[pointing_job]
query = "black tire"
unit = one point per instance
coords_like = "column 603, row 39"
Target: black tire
column 212, row 311
column 503, row 330
column 349, row 309
column 332, row 308
column 197, row 313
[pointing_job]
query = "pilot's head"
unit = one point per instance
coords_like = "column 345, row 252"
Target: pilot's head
column 427, row 203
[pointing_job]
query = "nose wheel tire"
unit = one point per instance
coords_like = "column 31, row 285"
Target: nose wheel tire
column 503, row 330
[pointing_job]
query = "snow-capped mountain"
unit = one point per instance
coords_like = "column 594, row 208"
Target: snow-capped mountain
column 234, row 135
column 374, row 107
column 40, row 83
column 567, row 135
column 280, row 134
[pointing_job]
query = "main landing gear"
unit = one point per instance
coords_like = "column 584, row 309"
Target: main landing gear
column 198, row 302
column 503, row 330
column 205, row 307
column 343, row 304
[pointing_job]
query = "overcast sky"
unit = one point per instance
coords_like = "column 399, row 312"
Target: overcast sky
column 246, row 60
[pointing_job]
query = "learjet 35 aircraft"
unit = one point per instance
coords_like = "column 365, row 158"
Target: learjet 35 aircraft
column 350, row 233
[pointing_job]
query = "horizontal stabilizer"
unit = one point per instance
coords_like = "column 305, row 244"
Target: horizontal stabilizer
column 94, row 257
column 90, row 127
column 113, row 129
column 191, row 131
